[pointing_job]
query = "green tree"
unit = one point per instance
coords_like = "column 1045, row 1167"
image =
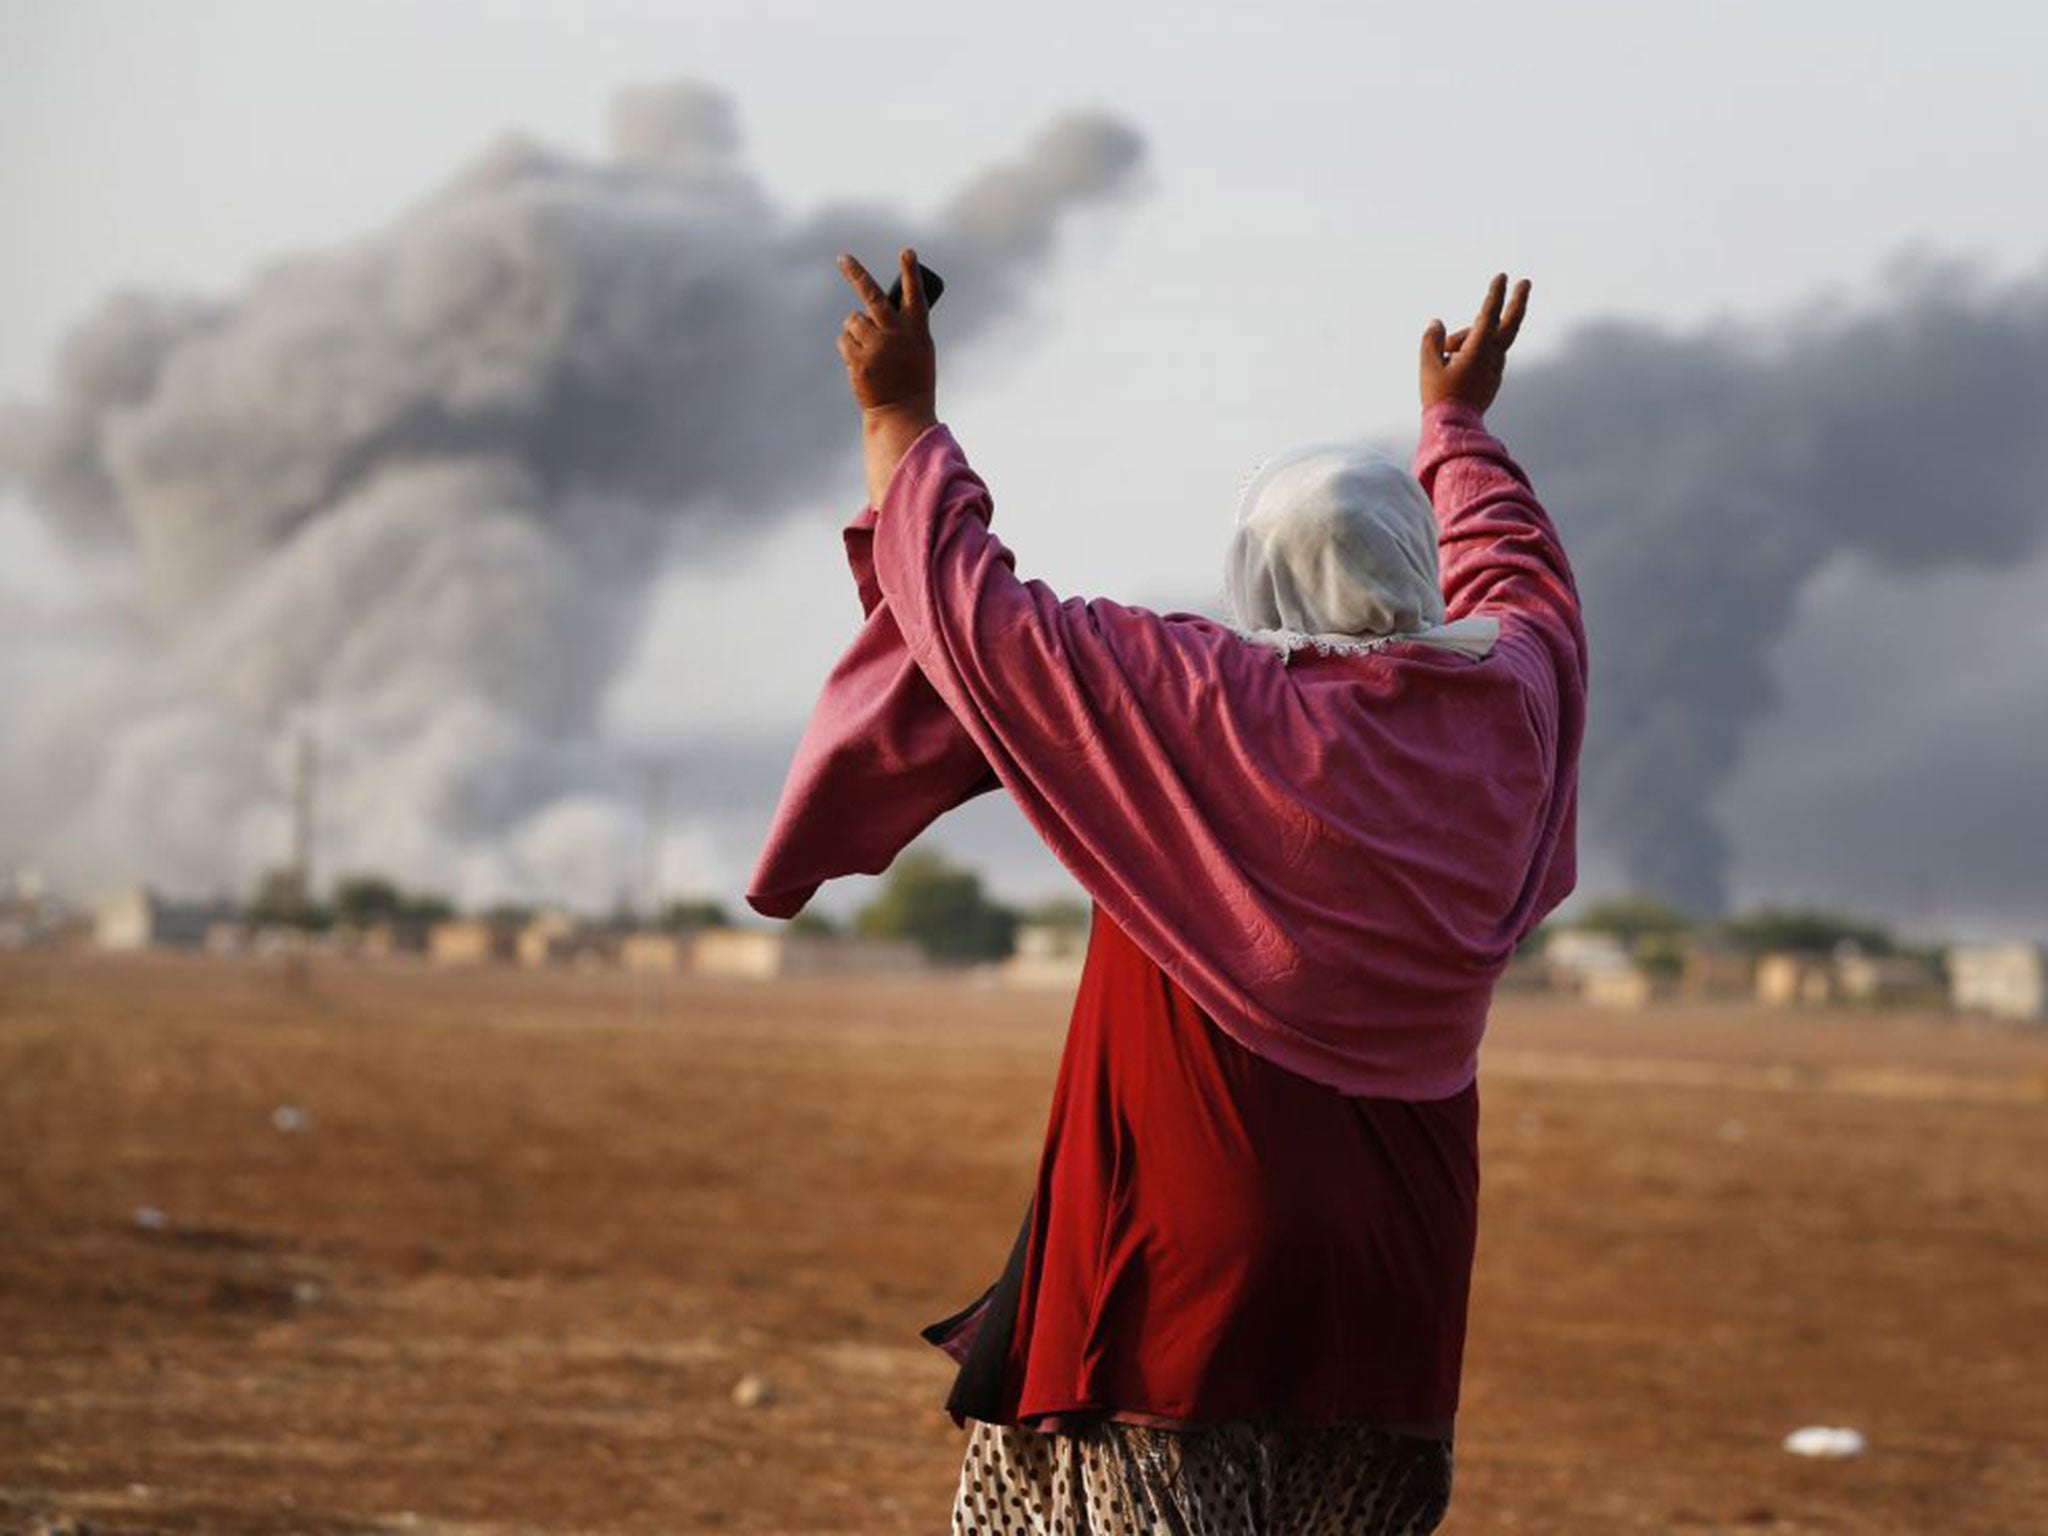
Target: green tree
column 941, row 908
column 1661, row 954
column 425, row 908
column 360, row 900
column 1058, row 912
column 281, row 901
column 1632, row 919
column 1809, row 930
column 813, row 922
column 686, row 916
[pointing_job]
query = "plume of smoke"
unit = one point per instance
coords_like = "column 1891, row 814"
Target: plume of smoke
column 1701, row 481
column 412, row 492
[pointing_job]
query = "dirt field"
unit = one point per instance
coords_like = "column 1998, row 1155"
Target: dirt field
column 529, row 1232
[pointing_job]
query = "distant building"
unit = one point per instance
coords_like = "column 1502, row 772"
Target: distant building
column 227, row 937
column 1867, row 978
column 766, row 953
column 390, row 938
column 1627, row 986
column 1047, row 955
column 1794, row 979
column 1571, row 955
column 1715, row 971
column 276, row 940
column 470, row 941
column 669, row 952
column 2006, row 980
column 138, row 918
column 555, row 938
column 30, row 915
column 18, row 928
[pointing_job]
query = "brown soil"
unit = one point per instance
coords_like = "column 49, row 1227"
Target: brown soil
column 538, row 1226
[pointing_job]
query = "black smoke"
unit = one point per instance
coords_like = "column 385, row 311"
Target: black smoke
column 1703, row 480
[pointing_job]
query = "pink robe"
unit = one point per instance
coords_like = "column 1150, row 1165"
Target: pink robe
column 1335, row 856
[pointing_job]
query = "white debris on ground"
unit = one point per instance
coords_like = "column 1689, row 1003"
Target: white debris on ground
column 150, row 1219
column 752, row 1391
column 1825, row 1441
column 290, row 1118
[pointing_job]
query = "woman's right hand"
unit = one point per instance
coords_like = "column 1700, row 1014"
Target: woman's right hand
column 1467, row 367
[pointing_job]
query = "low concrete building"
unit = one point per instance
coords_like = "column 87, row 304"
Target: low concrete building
column 31, row 916
column 269, row 941
column 554, row 938
column 1793, row 979
column 470, row 941
column 1627, row 986
column 766, row 953
column 760, row 953
column 1867, row 978
column 138, row 918
column 661, row 952
column 228, row 937
column 1570, row 955
column 1716, row 972
column 1047, row 955
column 2008, row 981
column 387, row 940
column 44, row 926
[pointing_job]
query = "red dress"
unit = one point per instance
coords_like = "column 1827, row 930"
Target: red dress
column 1212, row 1237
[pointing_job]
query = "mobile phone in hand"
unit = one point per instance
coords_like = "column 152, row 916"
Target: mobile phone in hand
column 930, row 281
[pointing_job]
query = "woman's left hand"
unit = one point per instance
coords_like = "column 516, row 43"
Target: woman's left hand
column 890, row 364
column 1468, row 367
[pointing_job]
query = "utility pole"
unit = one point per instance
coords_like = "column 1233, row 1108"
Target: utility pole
column 653, row 831
column 305, row 777
column 305, row 783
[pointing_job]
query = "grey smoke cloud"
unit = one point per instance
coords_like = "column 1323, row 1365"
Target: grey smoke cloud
column 1704, row 481
column 413, row 492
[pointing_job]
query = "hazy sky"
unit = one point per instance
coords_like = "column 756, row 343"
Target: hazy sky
column 1321, row 179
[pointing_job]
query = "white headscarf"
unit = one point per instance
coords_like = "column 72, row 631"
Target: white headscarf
column 1336, row 549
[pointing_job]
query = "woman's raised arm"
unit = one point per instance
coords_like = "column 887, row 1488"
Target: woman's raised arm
column 1497, row 550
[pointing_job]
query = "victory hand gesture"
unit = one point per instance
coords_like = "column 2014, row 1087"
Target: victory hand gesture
column 1467, row 367
column 888, row 353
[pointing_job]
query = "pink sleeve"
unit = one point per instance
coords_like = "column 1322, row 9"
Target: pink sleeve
column 882, row 757
column 1499, row 553
column 859, row 537
column 1111, row 726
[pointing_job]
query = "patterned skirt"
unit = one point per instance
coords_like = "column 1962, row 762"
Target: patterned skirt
column 1236, row 1479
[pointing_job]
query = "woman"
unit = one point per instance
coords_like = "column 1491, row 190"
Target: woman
column 1313, row 840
